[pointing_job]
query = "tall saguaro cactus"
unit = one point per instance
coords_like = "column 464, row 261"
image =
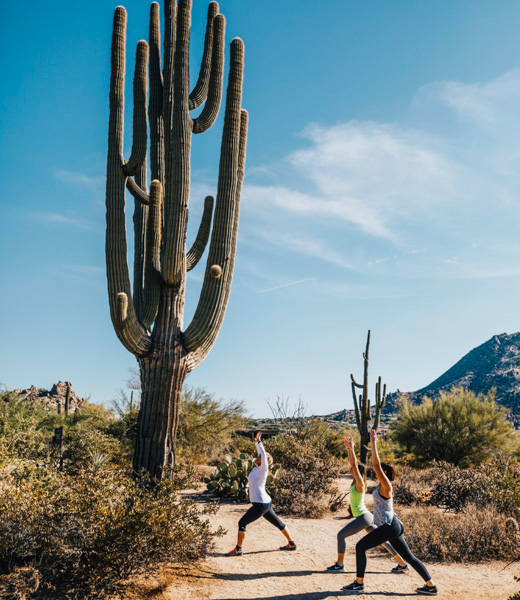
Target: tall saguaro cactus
column 148, row 320
column 362, row 404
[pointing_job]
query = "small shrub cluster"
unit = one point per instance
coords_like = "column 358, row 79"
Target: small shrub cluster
column 477, row 534
column 82, row 534
column 306, row 476
column 413, row 486
column 495, row 484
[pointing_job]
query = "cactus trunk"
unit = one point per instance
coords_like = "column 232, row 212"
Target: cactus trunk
column 362, row 405
column 148, row 318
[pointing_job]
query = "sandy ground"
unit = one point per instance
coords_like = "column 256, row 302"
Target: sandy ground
column 266, row 573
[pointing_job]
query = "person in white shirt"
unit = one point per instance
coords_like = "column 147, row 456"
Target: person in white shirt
column 261, row 501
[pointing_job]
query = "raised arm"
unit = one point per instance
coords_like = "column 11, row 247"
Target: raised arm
column 358, row 479
column 263, row 466
column 386, row 485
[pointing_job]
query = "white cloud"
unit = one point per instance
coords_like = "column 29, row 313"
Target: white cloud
column 92, row 183
column 68, row 220
column 361, row 192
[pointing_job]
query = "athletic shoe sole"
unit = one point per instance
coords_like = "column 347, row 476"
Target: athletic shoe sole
column 424, row 593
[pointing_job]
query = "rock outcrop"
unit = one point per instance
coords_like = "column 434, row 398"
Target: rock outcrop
column 53, row 399
column 494, row 364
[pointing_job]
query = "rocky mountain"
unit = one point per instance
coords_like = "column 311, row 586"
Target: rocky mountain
column 53, row 398
column 494, row 364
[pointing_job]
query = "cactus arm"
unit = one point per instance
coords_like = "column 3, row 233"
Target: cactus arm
column 138, row 155
column 152, row 274
column 380, row 402
column 131, row 333
column 199, row 245
column 354, row 382
column 356, row 407
column 200, row 91
column 209, row 315
column 140, row 219
column 178, row 147
column 137, row 192
column 210, row 112
column 156, row 97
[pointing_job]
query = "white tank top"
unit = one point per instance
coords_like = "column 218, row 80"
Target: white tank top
column 257, row 478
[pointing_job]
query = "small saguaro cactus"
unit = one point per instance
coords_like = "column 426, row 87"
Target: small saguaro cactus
column 362, row 405
column 148, row 319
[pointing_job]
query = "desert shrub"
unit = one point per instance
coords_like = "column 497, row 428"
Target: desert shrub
column 495, row 484
column 457, row 427
column 475, row 535
column 21, row 431
column 88, row 447
column 306, row 478
column 206, row 425
column 413, row 486
column 242, row 445
column 84, row 534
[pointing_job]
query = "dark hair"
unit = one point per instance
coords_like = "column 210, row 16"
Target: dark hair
column 388, row 470
column 361, row 469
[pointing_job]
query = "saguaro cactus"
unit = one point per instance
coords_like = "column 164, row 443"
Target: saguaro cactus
column 149, row 319
column 362, row 405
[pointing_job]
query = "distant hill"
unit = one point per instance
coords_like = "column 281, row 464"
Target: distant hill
column 494, row 364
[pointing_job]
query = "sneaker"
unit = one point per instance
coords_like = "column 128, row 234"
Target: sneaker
column 354, row 588
column 234, row 552
column 399, row 569
column 336, row 568
column 427, row 590
column 289, row 546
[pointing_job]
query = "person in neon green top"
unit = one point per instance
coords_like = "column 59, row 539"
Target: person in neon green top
column 363, row 518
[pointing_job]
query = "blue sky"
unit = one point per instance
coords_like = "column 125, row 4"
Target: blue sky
column 381, row 192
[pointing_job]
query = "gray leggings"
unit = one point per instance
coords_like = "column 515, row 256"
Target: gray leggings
column 365, row 522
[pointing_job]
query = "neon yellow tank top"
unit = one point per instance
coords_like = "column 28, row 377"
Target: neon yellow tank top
column 357, row 502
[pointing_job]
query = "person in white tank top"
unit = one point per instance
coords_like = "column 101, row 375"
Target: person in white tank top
column 261, row 501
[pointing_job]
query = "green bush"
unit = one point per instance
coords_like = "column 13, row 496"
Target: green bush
column 206, row 425
column 84, row 534
column 457, row 427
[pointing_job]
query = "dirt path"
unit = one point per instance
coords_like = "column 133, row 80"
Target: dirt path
column 266, row 573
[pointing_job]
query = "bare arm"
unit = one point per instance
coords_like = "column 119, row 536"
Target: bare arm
column 386, row 485
column 263, row 466
column 358, row 479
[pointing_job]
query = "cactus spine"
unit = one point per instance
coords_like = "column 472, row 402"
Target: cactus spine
column 362, row 404
column 148, row 320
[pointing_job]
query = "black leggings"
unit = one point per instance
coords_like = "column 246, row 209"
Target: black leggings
column 387, row 533
column 260, row 510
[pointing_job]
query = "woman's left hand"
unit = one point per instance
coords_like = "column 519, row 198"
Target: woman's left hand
column 373, row 436
column 258, row 436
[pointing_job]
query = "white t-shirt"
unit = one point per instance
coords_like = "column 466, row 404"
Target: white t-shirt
column 257, row 478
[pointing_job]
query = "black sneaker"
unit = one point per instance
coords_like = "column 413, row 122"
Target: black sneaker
column 336, row 568
column 400, row 569
column 234, row 552
column 427, row 590
column 289, row 546
column 354, row 588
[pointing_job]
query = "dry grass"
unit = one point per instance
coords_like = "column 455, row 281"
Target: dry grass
column 475, row 535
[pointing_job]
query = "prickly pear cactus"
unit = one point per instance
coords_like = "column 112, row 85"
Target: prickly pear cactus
column 229, row 480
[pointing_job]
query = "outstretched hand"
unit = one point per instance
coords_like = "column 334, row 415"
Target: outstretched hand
column 373, row 436
column 349, row 442
column 258, row 436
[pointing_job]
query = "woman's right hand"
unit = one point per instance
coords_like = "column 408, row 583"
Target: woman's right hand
column 258, row 436
column 373, row 436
